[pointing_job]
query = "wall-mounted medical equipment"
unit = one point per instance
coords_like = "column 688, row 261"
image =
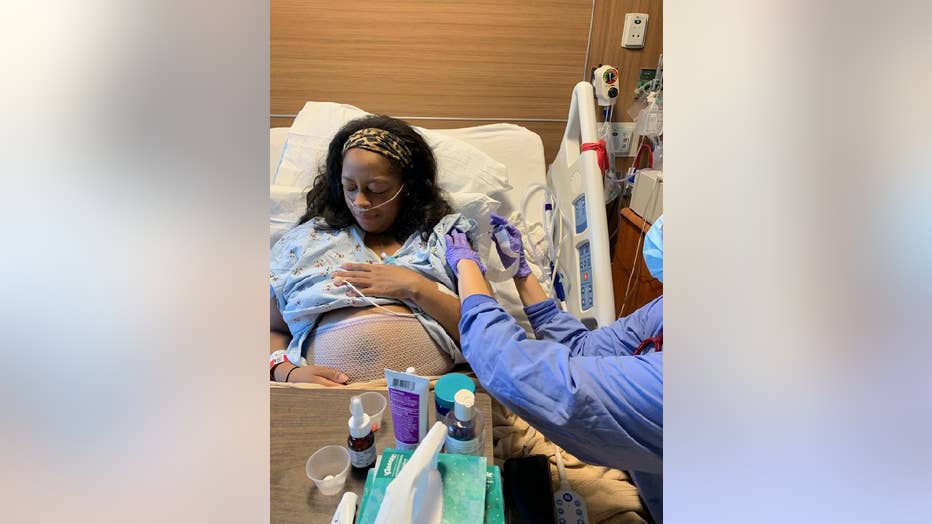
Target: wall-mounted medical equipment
column 650, row 119
column 635, row 31
column 622, row 137
column 605, row 83
column 647, row 197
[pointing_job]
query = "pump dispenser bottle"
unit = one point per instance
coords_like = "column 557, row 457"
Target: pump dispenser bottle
column 464, row 425
column 361, row 440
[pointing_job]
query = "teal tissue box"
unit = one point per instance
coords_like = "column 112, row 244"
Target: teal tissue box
column 464, row 480
column 494, row 501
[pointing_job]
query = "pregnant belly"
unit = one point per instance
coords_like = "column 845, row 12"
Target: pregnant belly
column 363, row 342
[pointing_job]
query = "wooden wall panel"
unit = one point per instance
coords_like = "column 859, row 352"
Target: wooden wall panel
column 606, row 48
column 277, row 121
column 506, row 59
column 485, row 58
column 606, row 43
column 510, row 60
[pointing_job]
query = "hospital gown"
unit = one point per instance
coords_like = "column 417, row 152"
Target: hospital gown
column 301, row 281
column 585, row 390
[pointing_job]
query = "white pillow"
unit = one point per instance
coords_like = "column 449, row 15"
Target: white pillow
column 476, row 206
column 288, row 204
column 522, row 152
column 277, row 137
column 461, row 167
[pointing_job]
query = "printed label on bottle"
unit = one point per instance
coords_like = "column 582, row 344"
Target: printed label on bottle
column 463, row 447
column 405, row 417
column 362, row 459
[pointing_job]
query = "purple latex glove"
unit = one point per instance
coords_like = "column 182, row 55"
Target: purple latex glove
column 514, row 244
column 458, row 248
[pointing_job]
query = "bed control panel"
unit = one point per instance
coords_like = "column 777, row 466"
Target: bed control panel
column 585, row 276
column 575, row 180
column 579, row 209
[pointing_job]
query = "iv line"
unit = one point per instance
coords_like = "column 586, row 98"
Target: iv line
column 369, row 300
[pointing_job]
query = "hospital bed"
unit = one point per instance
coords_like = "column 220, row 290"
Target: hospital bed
column 518, row 151
column 570, row 237
column 581, row 253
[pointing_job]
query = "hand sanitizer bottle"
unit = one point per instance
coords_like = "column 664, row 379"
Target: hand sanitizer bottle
column 464, row 425
column 361, row 440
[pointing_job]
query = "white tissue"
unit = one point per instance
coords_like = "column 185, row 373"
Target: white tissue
column 416, row 494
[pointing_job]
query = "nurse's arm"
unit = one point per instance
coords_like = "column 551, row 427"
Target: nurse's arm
column 471, row 280
column 604, row 410
column 530, row 290
column 550, row 323
column 622, row 337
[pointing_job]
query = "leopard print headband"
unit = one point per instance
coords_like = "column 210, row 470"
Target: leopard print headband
column 382, row 142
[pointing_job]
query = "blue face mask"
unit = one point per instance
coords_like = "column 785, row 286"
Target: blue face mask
column 653, row 249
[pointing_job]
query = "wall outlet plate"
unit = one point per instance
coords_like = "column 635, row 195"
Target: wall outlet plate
column 622, row 139
column 635, row 29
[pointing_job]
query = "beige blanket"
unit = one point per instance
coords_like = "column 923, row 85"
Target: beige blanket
column 610, row 495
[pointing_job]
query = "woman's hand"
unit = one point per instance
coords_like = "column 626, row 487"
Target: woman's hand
column 318, row 375
column 381, row 280
column 378, row 280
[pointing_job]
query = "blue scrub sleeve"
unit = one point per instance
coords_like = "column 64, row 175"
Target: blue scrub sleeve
column 606, row 410
column 621, row 338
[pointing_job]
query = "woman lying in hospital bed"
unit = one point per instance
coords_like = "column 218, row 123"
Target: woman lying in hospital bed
column 375, row 225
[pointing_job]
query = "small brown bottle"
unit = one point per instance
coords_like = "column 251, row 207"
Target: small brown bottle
column 361, row 440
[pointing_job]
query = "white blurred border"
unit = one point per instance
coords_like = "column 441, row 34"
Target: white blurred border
column 135, row 163
column 798, row 184
column 797, row 226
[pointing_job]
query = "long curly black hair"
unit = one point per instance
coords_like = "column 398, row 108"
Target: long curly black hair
column 424, row 204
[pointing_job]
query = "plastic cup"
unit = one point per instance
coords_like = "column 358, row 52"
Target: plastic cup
column 373, row 404
column 327, row 467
